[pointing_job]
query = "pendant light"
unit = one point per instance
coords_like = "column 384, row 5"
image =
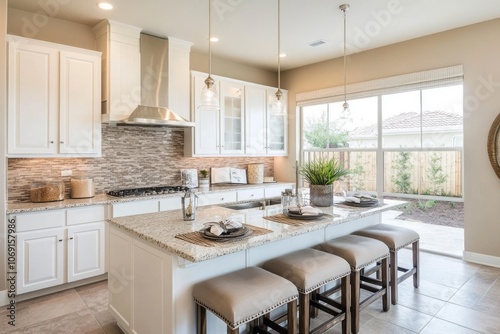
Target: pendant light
column 209, row 97
column 278, row 104
column 344, row 8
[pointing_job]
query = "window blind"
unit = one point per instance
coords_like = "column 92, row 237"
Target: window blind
column 447, row 76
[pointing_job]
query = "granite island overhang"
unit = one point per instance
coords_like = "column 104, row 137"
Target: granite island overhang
column 152, row 271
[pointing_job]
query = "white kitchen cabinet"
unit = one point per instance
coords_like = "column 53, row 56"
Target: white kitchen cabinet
column 215, row 198
column 40, row 259
column 219, row 132
column 59, row 246
column 244, row 125
column 54, row 100
column 207, row 122
column 85, row 251
column 232, row 113
column 266, row 132
column 277, row 127
column 250, row 194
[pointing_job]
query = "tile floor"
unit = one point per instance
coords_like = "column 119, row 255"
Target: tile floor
column 468, row 301
column 454, row 297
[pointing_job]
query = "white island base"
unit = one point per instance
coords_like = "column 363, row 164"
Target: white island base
column 150, row 279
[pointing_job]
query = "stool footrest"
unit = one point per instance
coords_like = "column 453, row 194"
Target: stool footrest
column 371, row 280
column 370, row 299
column 272, row 324
column 408, row 273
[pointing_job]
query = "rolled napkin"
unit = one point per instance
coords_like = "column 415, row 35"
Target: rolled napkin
column 218, row 228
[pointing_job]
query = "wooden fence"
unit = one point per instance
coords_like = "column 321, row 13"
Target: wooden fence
column 422, row 181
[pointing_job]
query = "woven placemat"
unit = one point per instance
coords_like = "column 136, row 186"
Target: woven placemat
column 282, row 218
column 197, row 239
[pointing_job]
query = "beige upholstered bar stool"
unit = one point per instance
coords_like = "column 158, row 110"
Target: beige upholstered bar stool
column 310, row 269
column 396, row 237
column 247, row 294
column 359, row 252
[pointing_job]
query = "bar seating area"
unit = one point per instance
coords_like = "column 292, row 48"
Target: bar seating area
column 351, row 260
column 310, row 270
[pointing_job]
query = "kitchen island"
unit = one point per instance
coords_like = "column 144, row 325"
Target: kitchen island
column 152, row 270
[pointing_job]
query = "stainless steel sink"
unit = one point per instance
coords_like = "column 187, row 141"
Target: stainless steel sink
column 255, row 204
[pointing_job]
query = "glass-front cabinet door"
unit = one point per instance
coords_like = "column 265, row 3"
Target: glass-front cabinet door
column 276, row 127
column 232, row 118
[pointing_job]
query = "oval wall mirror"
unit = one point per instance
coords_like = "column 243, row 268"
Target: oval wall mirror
column 494, row 145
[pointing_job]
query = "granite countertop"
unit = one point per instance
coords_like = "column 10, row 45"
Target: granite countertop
column 101, row 199
column 161, row 228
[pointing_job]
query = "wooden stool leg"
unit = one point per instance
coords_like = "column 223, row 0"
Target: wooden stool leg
column 394, row 277
column 232, row 331
column 201, row 319
column 313, row 311
column 304, row 313
column 386, row 304
column 292, row 317
column 416, row 263
column 346, row 302
column 355, row 292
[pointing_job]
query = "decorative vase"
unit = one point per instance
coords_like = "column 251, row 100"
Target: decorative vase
column 321, row 195
column 204, row 182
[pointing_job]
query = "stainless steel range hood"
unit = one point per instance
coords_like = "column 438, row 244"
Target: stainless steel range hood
column 154, row 87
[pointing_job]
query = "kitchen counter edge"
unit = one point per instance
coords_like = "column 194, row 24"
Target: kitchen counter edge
column 102, row 199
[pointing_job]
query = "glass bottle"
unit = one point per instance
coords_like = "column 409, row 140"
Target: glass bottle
column 189, row 204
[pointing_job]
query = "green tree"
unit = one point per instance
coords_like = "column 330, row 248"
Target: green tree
column 435, row 175
column 403, row 166
column 320, row 133
column 356, row 174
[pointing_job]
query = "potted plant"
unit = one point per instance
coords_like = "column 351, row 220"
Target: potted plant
column 320, row 174
column 204, row 179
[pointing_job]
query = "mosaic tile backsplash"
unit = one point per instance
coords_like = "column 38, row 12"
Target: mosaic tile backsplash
column 131, row 157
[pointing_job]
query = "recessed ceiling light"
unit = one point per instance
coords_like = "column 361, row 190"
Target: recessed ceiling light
column 282, row 55
column 214, row 39
column 105, row 5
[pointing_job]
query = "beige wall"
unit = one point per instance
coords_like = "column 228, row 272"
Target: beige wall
column 49, row 29
column 478, row 49
column 229, row 69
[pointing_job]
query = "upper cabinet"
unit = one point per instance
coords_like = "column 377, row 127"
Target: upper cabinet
column 243, row 126
column 266, row 133
column 53, row 100
column 121, row 68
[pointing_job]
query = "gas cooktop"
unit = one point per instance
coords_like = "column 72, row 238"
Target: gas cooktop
column 146, row 191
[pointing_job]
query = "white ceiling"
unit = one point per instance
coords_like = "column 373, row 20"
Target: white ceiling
column 248, row 28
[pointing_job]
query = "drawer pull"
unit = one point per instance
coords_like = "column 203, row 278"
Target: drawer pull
column 60, row 240
column 71, row 238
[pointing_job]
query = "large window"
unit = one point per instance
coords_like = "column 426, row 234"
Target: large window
column 414, row 135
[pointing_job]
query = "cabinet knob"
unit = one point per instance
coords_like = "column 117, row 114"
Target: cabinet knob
column 60, row 240
column 71, row 238
column 52, row 142
column 222, row 198
column 251, row 195
column 61, row 142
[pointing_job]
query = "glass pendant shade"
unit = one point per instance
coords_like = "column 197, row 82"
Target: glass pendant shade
column 345, row 106
column 278, row 105
column 209, row 97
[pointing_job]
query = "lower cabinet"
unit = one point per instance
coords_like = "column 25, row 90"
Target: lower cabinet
column 52, row 251
column 40, row 259
column 85, row 251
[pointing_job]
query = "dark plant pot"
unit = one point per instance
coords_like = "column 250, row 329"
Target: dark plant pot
column 321, row 195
